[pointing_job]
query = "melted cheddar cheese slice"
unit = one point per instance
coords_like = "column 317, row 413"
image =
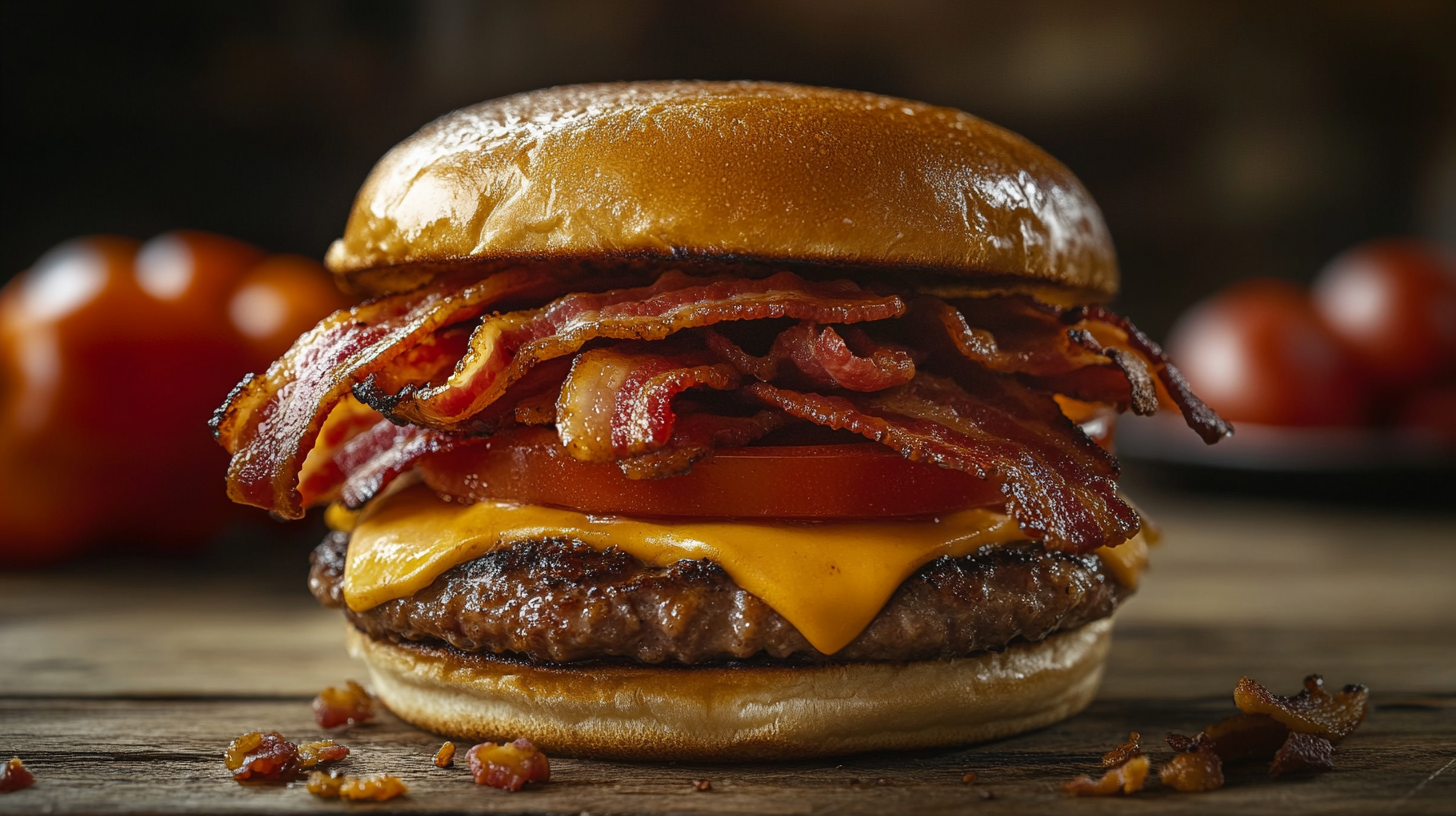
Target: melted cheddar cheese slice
column 827, row 579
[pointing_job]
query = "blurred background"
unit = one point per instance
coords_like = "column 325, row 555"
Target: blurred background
column 1222, row 139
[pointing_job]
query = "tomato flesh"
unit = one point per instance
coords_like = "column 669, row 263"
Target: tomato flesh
column 790, row 482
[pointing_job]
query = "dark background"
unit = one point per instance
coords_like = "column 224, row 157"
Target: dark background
column 1221, row 139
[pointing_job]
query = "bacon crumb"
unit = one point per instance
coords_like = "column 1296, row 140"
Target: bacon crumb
column 1312, row 711
column 1120, row 755
column 316, row 753
column 325, row 785
column 349, row 705
column 702, row 785
column 15, row 776
column 445, row 757
column 969, row 778
column 1303, row 753
column 509, row 766
column 377, row 787
column 1126, row 778
column 262, row 757
column 1196, row 768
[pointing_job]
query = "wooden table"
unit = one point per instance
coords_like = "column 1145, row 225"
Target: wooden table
column 120, row 686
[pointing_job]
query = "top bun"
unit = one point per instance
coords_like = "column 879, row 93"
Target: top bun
column 602, row 175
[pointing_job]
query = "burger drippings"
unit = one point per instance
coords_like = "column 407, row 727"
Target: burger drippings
column 656, row 377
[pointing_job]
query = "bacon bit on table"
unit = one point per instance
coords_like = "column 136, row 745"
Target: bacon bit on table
column 15, row 776
column 702, row 785
column 268, row 757
column 1312, row 711
column 1126, row 778
column 969, row 778
column 262, row 757
column 1303, row 753
column 1196, row 768
column 445, row 757
column 508, row 766
column 376, row 787
column 349, row 705
column 1121, row 754
column 316, row 753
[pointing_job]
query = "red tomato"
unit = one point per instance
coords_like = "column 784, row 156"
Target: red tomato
column 1257, row 352
column 111, row 361
column 814, row 481
column 1394, row 304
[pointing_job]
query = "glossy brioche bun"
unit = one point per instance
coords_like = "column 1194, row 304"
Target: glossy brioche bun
column 738, row 713
column 602, row 175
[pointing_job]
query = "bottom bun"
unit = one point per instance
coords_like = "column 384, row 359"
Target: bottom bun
column 737, row 713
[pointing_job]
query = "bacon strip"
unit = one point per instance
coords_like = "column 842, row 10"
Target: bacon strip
column 1059, row 486
column 504, row 347
column 270, row 422
column 823, row 358
column 1011, row 335
column 355, row 463
column 1060, row 350
column 1202, row 419
column 387, row 451
column 618, row 403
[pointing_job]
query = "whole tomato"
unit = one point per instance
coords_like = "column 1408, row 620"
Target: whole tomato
column 1393, row 302
column 1258, row 352
column 112, row 357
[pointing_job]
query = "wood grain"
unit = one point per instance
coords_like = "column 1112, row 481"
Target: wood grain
column 126, row 756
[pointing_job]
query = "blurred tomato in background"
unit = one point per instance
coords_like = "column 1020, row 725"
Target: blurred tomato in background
column 1259, row 352
column 112, row 357
column 1372, row 343
column 1393, row 303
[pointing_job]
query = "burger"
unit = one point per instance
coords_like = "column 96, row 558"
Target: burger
column 725, row 421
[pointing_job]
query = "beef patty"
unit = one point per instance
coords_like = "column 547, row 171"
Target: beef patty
column 559, row 600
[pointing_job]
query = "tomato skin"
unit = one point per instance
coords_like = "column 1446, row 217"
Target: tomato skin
column 800, row 482
column 1258, row 352
column 112, row 358
column 1393, row 303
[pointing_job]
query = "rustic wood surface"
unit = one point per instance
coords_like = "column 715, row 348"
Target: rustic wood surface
column 120, row 683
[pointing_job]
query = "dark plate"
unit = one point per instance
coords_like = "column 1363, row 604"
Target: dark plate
column 1377, row 465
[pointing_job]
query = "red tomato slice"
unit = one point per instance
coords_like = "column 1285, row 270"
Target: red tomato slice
column 793, row 482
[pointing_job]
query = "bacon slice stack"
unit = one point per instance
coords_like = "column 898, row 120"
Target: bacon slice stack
column 654, row 378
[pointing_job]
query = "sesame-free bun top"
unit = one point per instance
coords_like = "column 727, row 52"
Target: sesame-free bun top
column 688, row 172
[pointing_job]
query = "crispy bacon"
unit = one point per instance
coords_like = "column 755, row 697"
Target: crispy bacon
column 298, row 438
column 823, row 358
column 504, row 347
column 1087, row 353
column 1127, row 778
column 1202, row 419
column 353, row 466
column 617, row 402
column 1312, row 711
column 1011, row 335
column 270, row 421
column 1058, row 484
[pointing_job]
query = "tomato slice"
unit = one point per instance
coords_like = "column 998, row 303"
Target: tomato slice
column 790, row 482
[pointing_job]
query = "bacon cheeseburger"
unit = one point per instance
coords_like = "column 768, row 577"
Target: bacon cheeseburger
column 718, row 421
